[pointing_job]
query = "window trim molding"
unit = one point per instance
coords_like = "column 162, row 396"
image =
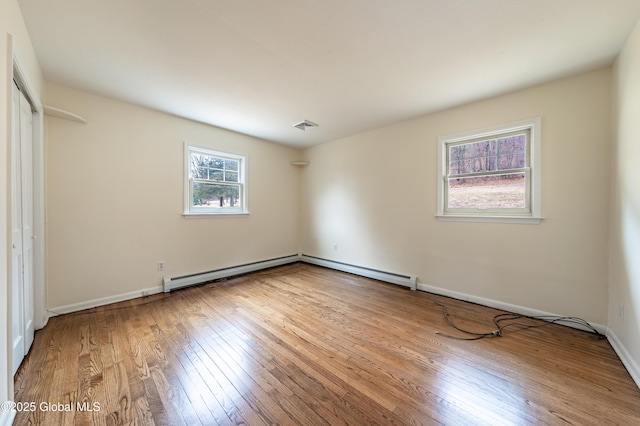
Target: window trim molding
column 534, row 125
column 242, row 180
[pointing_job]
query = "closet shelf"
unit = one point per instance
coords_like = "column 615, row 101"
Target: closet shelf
column 60, row 113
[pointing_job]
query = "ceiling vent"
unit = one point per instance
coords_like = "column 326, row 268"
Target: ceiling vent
column 304, row 125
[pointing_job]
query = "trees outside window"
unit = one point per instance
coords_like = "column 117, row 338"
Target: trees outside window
column 491, row 173
column 215, row 182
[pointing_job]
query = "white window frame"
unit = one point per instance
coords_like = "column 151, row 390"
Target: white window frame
column 530, row 214
column 189, row 208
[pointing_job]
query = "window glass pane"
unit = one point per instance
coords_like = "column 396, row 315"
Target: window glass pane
column 231, row 176
column 231, row 165
column 198, row 166
column 473, row 157
column 211, row 195
column 216, row 175
column 488, row 192
column 216, row 163
column 214, row 168
column 488, row 155
column 200, row 172
column 512, row 152
column 460, row 167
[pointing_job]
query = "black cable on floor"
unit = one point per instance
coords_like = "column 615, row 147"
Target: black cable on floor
column 476, row 336
column 499, row 319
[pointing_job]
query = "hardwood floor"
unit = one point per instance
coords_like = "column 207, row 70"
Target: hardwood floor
column 303, row 345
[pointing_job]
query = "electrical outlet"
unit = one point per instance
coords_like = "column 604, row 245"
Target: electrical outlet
column 161, row 265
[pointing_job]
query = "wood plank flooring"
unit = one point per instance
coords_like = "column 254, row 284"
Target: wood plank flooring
column 304, row 345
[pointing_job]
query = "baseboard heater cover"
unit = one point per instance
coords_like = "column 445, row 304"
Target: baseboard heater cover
column 390, row 277
column 174, row 283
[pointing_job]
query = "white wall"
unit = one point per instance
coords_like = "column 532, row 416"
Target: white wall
column 12, row 29
column 624, row 266
column 115, row 200
column 374, row 195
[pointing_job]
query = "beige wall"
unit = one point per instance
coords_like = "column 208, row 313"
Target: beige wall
column 374, row 195
column 12, row 28
column 114, row 189
column 115, row 200
column 624, row 267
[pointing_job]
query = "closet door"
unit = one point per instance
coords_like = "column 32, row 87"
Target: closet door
column 22, row 295
column 26, row 168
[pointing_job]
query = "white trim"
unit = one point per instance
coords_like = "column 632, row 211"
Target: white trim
column 522, row 310
column 174, row 283
column 6, row 417
column 215, row 214
column 624, row 355
column 535, row 127
column 6, row 376
column 495, row 219
column 390, row 277
column 25, row 84
column 243, row 178
column 60, row 310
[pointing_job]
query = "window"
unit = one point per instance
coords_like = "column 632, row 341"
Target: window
column 214, row 182
column 491, row 174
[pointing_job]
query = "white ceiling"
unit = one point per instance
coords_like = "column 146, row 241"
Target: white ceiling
column 260, row 66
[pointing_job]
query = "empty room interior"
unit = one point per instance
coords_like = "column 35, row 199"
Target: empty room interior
column 338, row 212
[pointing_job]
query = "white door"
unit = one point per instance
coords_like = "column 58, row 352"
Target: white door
column 22, row 295
column 26, row 167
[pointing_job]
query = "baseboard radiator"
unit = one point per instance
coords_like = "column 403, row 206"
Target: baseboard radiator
column 390, row 277
column 174, row 283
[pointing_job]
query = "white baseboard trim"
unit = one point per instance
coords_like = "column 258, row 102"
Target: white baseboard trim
column 174, row 283
column 6, row 417
column 60, row 310
column 45, row 318
column 389, row 277
column 185, row 281
column 522, row 310
column 624, row 355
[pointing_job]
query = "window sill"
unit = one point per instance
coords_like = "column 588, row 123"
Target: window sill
column 491, row 219
column 225, row 214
